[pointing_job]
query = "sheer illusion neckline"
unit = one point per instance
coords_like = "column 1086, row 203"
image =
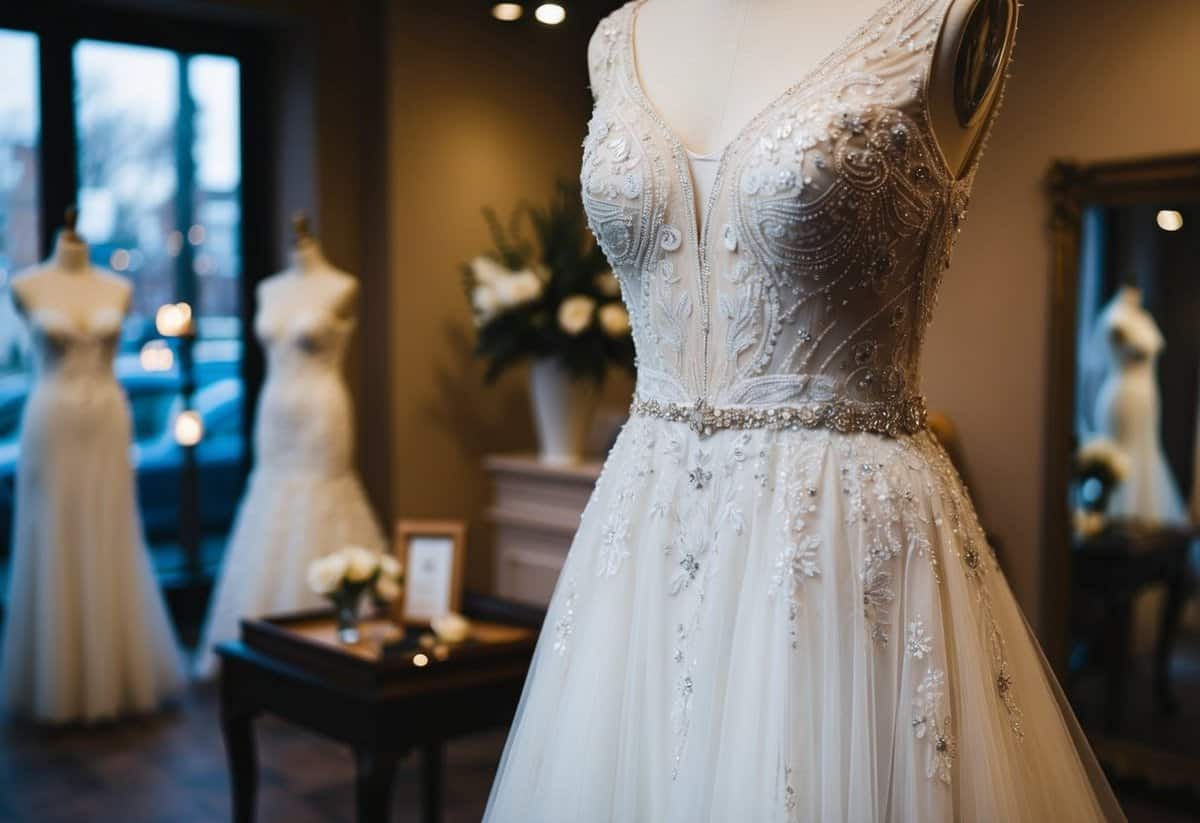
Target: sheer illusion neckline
column 699, row 223
column 719, row 153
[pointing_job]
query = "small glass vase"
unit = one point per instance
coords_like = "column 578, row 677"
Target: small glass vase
column 347, row 611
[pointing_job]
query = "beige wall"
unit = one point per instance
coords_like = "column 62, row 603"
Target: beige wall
column 479, row 113
column 1093, row 79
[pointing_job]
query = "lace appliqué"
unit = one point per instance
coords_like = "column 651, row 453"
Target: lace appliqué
column 932, row 726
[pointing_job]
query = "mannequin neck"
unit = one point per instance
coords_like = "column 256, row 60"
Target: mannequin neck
column 1131, row 296
column 70, row 253
column 307, row 257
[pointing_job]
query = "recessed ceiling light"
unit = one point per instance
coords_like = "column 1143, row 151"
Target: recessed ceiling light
column 550, row 13
column 507, row 11
column 1169, row 220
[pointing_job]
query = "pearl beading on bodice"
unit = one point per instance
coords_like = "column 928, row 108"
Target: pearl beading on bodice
column 806, row 283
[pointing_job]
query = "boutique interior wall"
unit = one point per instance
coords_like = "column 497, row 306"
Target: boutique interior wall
column 1092, row 80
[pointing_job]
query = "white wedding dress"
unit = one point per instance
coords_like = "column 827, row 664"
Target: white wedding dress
column 780, row 605
column 304, row 498
column 1128, row 412
column 86, row 634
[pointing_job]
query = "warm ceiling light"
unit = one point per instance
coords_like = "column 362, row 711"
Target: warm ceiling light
column 1169, row 220
column 507, row 11
column 550, row 13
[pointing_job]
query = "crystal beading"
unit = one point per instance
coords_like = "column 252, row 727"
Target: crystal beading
column 891, row 418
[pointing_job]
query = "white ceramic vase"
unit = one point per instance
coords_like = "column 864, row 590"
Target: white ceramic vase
column 562, row 410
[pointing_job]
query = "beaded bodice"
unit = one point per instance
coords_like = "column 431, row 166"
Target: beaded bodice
column 804, row 285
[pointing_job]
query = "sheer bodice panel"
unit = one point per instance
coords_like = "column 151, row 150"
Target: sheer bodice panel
column 304, row 414
column 809, row 274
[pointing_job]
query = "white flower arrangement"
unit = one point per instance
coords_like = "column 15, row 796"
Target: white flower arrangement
column 345, row 575
column 549, row 296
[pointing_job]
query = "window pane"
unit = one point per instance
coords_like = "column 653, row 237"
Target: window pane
column 160, row 202
column 19, row 234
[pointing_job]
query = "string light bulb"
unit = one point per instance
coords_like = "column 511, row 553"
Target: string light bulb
column 1169, row 220
column 550, row 13
column 508, row 11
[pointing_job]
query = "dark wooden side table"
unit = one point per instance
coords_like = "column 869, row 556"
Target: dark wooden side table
column 383, row 697
column 1110, row 569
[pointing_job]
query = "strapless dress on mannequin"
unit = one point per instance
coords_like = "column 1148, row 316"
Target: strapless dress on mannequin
column 304, row 498
column 780, row 605
column 86, row 635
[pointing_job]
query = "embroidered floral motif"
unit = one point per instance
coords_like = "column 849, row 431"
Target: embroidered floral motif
column 917, row 641
column 564, row 627
column 613, row 543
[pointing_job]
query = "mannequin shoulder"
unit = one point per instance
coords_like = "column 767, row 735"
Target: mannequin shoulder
column 968, row 71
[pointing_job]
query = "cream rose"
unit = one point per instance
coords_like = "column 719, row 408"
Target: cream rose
column 614, row 319
column 575, row 314
column 487, row 271
column 516, row 289
column 325, row 574
column 389, row 565
column 451, row 628
column 387, row 589
column 486, row 303
column 361, row 564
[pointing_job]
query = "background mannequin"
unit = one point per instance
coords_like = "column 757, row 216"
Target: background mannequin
column 685, row 49
column 304, row 498
column 87, row 636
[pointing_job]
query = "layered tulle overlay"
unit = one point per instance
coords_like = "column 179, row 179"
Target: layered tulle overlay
column 86, row 635
column 784, row 626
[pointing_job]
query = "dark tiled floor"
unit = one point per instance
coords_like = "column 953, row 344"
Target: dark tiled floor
column 171, row 769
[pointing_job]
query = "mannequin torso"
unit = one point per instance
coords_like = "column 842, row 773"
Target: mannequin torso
column 69, row 285
column 710, row 65
column 310, row 283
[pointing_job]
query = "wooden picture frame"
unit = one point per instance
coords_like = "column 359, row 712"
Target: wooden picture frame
column 433, row 553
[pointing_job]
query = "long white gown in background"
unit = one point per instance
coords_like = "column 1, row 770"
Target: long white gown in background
column 86, row 635
column 780, row 605
column 1128, row 412
column 304, row 498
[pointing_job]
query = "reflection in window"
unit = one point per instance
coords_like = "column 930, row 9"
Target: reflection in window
column 160, row 202
column 19, row 233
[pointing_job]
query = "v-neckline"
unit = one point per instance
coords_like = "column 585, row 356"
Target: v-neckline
column 700, row 222
column 635, row 76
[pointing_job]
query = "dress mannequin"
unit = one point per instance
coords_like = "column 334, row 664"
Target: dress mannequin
column 69, row 284
column 86, row 636
column 304, row 498
column 749, row 49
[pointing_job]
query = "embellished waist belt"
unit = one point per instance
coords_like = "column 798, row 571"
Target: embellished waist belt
column 890, row 417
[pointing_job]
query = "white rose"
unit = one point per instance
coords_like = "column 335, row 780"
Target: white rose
column 487, row 271
column 486, row 303
column 607, row 284
column 614, row 319
column 386, row 588
column 389, row 565
column 451, row 628
column 325, row 574
column 515, row 289
column 361, row 563
column 575, row 314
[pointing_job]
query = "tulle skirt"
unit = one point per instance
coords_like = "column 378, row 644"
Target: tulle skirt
column 288, row 518
column 86, row 635
column 786, row 626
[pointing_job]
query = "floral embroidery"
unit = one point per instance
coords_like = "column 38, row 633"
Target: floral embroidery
column 917, row 642
column 613, row 543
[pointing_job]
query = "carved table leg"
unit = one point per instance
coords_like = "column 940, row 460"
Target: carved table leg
column 373, row 784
